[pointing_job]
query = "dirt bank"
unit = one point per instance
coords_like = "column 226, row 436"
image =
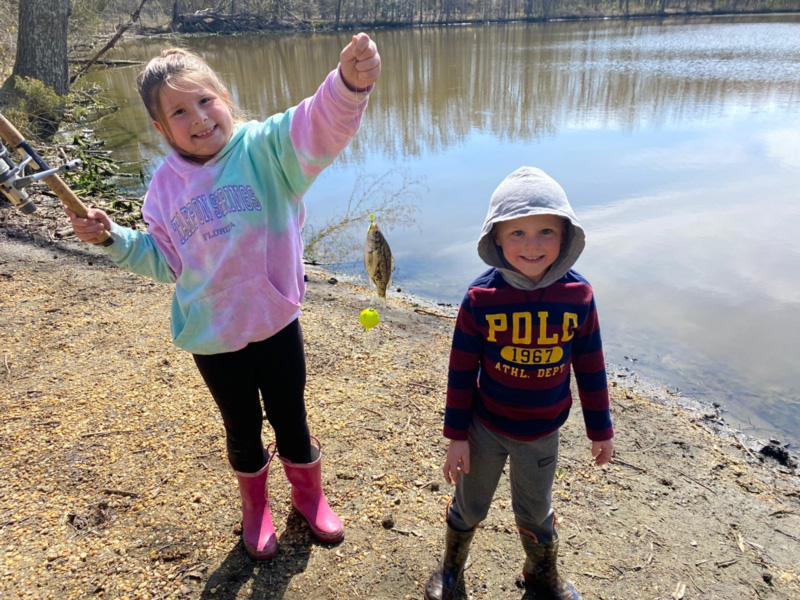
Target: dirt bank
column 115, row 484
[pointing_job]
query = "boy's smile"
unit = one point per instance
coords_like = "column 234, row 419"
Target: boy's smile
column 198, row 122
column 531, row 244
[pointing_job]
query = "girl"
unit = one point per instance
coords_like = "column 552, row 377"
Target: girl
column 224, row 213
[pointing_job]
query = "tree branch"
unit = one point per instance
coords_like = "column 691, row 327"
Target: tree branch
column 133, row 18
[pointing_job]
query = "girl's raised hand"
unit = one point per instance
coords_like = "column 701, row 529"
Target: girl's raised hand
column 89, row 230
column 360, row 62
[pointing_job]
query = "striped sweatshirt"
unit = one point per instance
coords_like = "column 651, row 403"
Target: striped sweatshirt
column 511, row 357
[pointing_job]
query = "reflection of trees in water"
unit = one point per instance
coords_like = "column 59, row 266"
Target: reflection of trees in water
column 521, row 82
column 514, row 82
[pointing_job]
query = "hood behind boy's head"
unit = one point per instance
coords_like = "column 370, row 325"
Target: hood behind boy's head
column 530, row 191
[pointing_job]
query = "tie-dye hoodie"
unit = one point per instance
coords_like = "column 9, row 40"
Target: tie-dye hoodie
column 227, row 232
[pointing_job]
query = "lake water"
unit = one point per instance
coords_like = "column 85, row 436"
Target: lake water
column 677, row 141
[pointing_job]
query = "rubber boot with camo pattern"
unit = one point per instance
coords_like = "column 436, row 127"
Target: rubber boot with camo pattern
column 540, row 570
column 444, row 581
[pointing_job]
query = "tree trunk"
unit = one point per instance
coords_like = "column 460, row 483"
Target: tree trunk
column 528, row 9
column 42, row 43
column 176, row 14
column 338, row 14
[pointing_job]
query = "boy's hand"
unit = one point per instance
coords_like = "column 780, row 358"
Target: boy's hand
column 91, row 229
column 457, row 460
column 360, row 62
column 602, row 452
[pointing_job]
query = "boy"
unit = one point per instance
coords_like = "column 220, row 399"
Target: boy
column 519, row 328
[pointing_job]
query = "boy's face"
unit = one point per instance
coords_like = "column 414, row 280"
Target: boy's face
column 531, row 244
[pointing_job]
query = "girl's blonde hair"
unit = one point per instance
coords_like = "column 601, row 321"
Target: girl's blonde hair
column 180, row 70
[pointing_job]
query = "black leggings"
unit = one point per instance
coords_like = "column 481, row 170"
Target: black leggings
column 277, row 367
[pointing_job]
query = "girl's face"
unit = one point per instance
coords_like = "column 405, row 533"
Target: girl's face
column 197, row 121
column 531, row 244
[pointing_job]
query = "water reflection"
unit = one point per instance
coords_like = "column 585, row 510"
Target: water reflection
column 514, row 82
column 678, row 142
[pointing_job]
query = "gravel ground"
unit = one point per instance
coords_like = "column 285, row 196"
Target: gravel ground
column 115, row 483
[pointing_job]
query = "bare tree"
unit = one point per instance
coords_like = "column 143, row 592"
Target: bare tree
column 110, row 44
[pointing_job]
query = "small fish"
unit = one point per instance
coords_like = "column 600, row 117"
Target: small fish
column 378, row 259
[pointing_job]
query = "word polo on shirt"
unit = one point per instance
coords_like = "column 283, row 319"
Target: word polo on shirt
column 522, row 333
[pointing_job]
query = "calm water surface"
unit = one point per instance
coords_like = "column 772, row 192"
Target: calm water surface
column 677, row 141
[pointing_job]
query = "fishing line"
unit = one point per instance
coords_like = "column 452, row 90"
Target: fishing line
column 369, row 317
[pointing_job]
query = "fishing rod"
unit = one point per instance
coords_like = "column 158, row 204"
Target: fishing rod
column 13, row 179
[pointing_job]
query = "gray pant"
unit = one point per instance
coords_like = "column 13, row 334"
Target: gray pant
column 532, row 472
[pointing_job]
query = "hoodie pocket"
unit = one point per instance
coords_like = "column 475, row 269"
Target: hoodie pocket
column 228, row 320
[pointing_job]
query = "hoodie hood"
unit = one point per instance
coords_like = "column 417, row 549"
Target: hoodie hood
column 525, row 192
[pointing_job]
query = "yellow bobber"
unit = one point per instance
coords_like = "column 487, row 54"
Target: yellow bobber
column 369, row 318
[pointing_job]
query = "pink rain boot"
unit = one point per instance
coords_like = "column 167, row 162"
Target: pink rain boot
column 309, row 499
column 258, row 533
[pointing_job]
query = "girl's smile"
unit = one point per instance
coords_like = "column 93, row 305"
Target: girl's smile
column 198, row 122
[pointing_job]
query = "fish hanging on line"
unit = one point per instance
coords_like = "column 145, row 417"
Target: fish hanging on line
column 378, row 259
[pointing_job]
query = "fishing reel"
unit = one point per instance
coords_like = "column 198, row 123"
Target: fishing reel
column 14, row 180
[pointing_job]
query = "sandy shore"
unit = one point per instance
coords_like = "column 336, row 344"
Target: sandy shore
column 115, row 482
